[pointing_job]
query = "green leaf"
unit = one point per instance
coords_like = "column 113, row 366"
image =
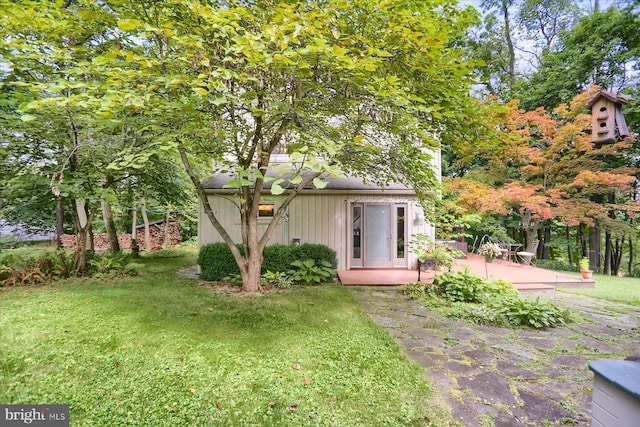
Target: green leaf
column 28, row 117
column 129, row 24
column 276, row 189
column 319, row 184
column 219, row 101
column 201, row 91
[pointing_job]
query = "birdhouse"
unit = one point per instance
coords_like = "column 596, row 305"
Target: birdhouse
column 608, row 125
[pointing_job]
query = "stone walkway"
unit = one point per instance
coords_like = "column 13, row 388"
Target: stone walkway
column 509, row 377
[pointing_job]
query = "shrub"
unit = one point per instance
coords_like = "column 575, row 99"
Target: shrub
column 278, row 258
column 307, row 272
column 555, row 264
column 166, row 253
column 467, row 296
column 516, row 311
column 463, row 286
column 116, row 265
column 499, row 288
column 216, row 262
column 414, row 290
column 61, row 264
column 316, row 252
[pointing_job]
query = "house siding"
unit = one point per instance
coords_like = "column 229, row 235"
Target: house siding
column 314, row 217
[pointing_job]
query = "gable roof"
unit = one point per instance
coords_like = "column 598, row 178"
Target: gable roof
column 620, row 99
column 218, row 181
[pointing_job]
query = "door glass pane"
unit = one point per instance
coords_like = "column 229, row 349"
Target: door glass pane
column 400, row 233
column 378, row 227
column 357, row 231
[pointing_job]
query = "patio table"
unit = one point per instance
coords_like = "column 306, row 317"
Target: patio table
column 511, row 249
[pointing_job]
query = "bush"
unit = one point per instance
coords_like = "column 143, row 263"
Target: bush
column 166, row 253
column 556, row 264
column 58, row 264
column 463, row 286
column 516, row 311
column 469, row 297
column 316, row 252
column 278, row 258
column 216, row 262
column 116, row 265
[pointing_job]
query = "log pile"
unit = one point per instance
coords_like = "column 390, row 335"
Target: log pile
column 156, row 232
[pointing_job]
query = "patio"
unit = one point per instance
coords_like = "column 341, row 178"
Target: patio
column 524, row 277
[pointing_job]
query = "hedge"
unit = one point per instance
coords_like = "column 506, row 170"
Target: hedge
column 216, row 261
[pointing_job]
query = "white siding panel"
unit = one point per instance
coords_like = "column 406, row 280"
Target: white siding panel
column 313, row 218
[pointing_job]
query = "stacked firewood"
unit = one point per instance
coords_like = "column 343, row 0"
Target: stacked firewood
column 156, row 233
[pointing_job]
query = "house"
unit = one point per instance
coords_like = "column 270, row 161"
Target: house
column 23, row 234
column 368, row 226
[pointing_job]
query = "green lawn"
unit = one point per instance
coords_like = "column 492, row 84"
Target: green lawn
column 611, row 288
column 159, row 350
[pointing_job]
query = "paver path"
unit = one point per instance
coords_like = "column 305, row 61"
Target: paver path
column 509, row 377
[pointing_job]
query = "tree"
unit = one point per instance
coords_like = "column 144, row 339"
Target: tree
column 547, row 168
column 601, row 49
column 343, row 88
column 54, row 131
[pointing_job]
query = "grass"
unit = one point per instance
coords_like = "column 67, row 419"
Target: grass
column 159, row 350
column 611, row 288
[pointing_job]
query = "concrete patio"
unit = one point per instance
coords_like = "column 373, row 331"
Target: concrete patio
column 523, row 277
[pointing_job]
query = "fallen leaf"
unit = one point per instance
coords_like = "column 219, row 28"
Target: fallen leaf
column 28, row 359
column 296, row 366
column 235, row 335
column 307, row 381
column 192, row 390
column 293, row 407
column 210, row 308
column 270, row 404
column 117, row 364
column 326, row 320
column 218, row 405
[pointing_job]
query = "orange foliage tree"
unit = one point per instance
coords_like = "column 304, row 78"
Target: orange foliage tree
column 545, row 167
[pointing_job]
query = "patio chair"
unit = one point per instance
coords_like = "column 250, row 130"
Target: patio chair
column 507, row 252
column 525, row 256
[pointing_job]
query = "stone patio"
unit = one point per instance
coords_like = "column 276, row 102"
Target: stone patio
column 509, row 377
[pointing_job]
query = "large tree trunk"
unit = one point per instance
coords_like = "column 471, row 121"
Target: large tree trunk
column 59, row 222
column 583, row 241
column 251, row 263
column 608, row 249
column 569, row 249
column 631, row 257
column 595, row 238
column 82, row 222
column 165, row 240
column 543, row 248
column 145, row 219
column 110, row 227
column 510, row 47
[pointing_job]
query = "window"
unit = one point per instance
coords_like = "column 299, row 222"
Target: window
column 266, row 210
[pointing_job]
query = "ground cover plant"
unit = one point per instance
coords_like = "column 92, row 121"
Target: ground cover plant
column 156, row 349
column 38, row 266
column 465, row 295
column 611, row 288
